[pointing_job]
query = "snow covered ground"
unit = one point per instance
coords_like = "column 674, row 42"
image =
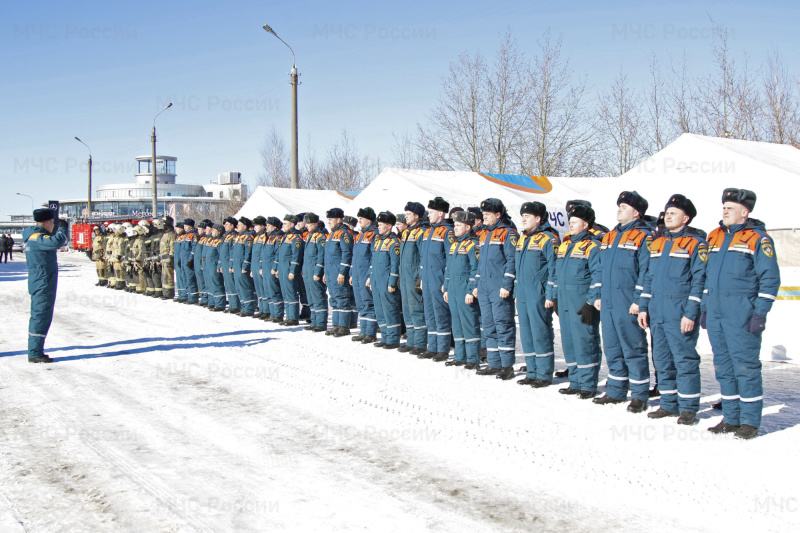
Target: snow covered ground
column 165, row 417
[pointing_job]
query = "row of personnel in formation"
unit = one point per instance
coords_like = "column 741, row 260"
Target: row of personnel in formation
column 455, row 277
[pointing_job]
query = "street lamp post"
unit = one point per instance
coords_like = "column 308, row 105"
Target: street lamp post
column 31, row 198
column 153, row 162
column 89, row 202
column 293, row 80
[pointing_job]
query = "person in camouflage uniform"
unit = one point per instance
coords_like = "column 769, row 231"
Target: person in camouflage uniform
column 167, row 259
column 98, row 247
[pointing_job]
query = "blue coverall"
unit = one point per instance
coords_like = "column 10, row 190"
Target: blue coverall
column 272, row 287
column 42, row 263
column 314, row 265
column 215, row 283
column 225, row 249
column 535, row 282
column 290, row 253
column 436, row 241
column 187, row 254
column 180, row 278
column 496, row 270
column 338, row 260
column 257, row 270
column 384, row 272
column 742, row 279
column 625, row 254
column 197, row 256
column 578, row 282
column 362, row 254
column 673, row 289
column 413, row 310
column 459, row 280
column 241, row 258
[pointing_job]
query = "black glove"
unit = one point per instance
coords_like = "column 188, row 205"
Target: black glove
column 418, row 286
column 757, row 324
column 587, row 314
column 190, row 264
column 703, row 320
column 555, row 306
column 62, row 223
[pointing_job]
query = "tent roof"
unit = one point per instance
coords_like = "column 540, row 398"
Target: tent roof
column 278, row 201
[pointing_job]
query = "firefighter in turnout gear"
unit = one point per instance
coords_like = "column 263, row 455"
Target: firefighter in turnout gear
column 98, row 248
column 670, row 306
column 154, row 256
column 167, row 259
column 742, row 282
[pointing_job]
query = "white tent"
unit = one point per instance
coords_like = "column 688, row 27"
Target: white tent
column 701, row 168
column 278, row 201
column 394, row 187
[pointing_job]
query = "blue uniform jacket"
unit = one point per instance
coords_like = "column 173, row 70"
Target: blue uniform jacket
column 535, row 263
column 436, row 241
column 497, row 250
column 314, row 253
column 338, row 253
column 676, row 274
column 40, row 250
column 242, row 252
column 742, row 260
column 462, row 265
column 225, row 249
column 410, row 249
column 385, row 263
column 623, row 261
column 290, row 252
column 578, row 267
column 362, row 253
column 189, row 243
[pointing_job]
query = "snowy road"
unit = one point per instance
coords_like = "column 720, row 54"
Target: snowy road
column 165, row 417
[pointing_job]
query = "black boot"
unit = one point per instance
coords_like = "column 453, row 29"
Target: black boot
column 562, row 373
column 746, row 432
column 605, row 400
column 525, row 381
column 488, row 371
column 523, row 368
column 404, row 348
column 367, row 339
column 541, row 383
column 637, row 406
column 506, row 373
column 331, row 331
column 379, row 344
column 441, row 356
column 472, row 366
column 343, row 332
column 586, row 394
column 660, row 413
column 455, row 363
column 687, row 418
column 724, row 427
column 568, row 390
column 358, row 338
column 426, row 354
column 390, row 346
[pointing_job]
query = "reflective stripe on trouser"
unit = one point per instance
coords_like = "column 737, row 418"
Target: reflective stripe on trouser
column 536, row 334
column 246, row 291
column 368, row 324
column 466, row 323
column 43, row 298
column 388, row 310
column 413, row 313
column 437, row 313
column 352, row 317
column 191, row 284
column 180, row 283
column 155, row 272
column 262, row 304
column 230, row 289
column 580, row 342
column 273, row 290
column 736, row 358
column 497, row 319
column 201, row 282
column 318, row 300
column 340, row 303
column 625, row 346
column 678, row 365
column 215, row 285
column 290, row 289
column 167, row 281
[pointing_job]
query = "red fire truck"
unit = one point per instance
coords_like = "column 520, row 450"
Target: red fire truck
column 81, row 231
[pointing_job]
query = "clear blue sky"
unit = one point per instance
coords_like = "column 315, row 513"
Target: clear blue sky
column 102, row 70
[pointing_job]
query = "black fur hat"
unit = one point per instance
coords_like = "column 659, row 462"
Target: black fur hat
column 368, row 213
column 387, row 218
column 310, row 218
column 477, row 212
column 682, row 203
column 573, row 203
column 439, row 204
column 536, row 209
column 582, row 212
column 230, row 220
column 464, row 217
column 493, row 205
column 740, row 196
column 274, row 221
column 43, row 215
column 291, row 218
column 259, row 220
column 246, row 221
column 336, row 212
column 416, row 208
column 635, row 200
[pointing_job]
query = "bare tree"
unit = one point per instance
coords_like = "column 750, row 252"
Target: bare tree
column 782, row 121
column 657, row 137
column 404, row 152
column 275, row 161
column 560, row 143
column 621, row 123
column 681, row 99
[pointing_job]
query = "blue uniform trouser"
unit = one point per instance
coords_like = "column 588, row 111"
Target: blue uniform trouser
column 180, row 283
column 246, row 290
column 42, row 288
column 318, row 300
column 340, row 301
column 365, row 305
column 352, row 310
column 258, row 285
column 388, row 310
column 736, row 357
column 202, row 295
column 676, row 361
column 230, row 289
column 192, row 291
column 536, row 334
column 215, row 285
column 413, row 313
column 497, row 316
column 273, row 289
column 290, row 289
column 466, row 322
column 581, row 342
column 436, row 312
column 625, row 346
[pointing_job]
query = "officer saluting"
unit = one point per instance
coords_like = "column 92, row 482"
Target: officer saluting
column 742, row 282
column 40, row 255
